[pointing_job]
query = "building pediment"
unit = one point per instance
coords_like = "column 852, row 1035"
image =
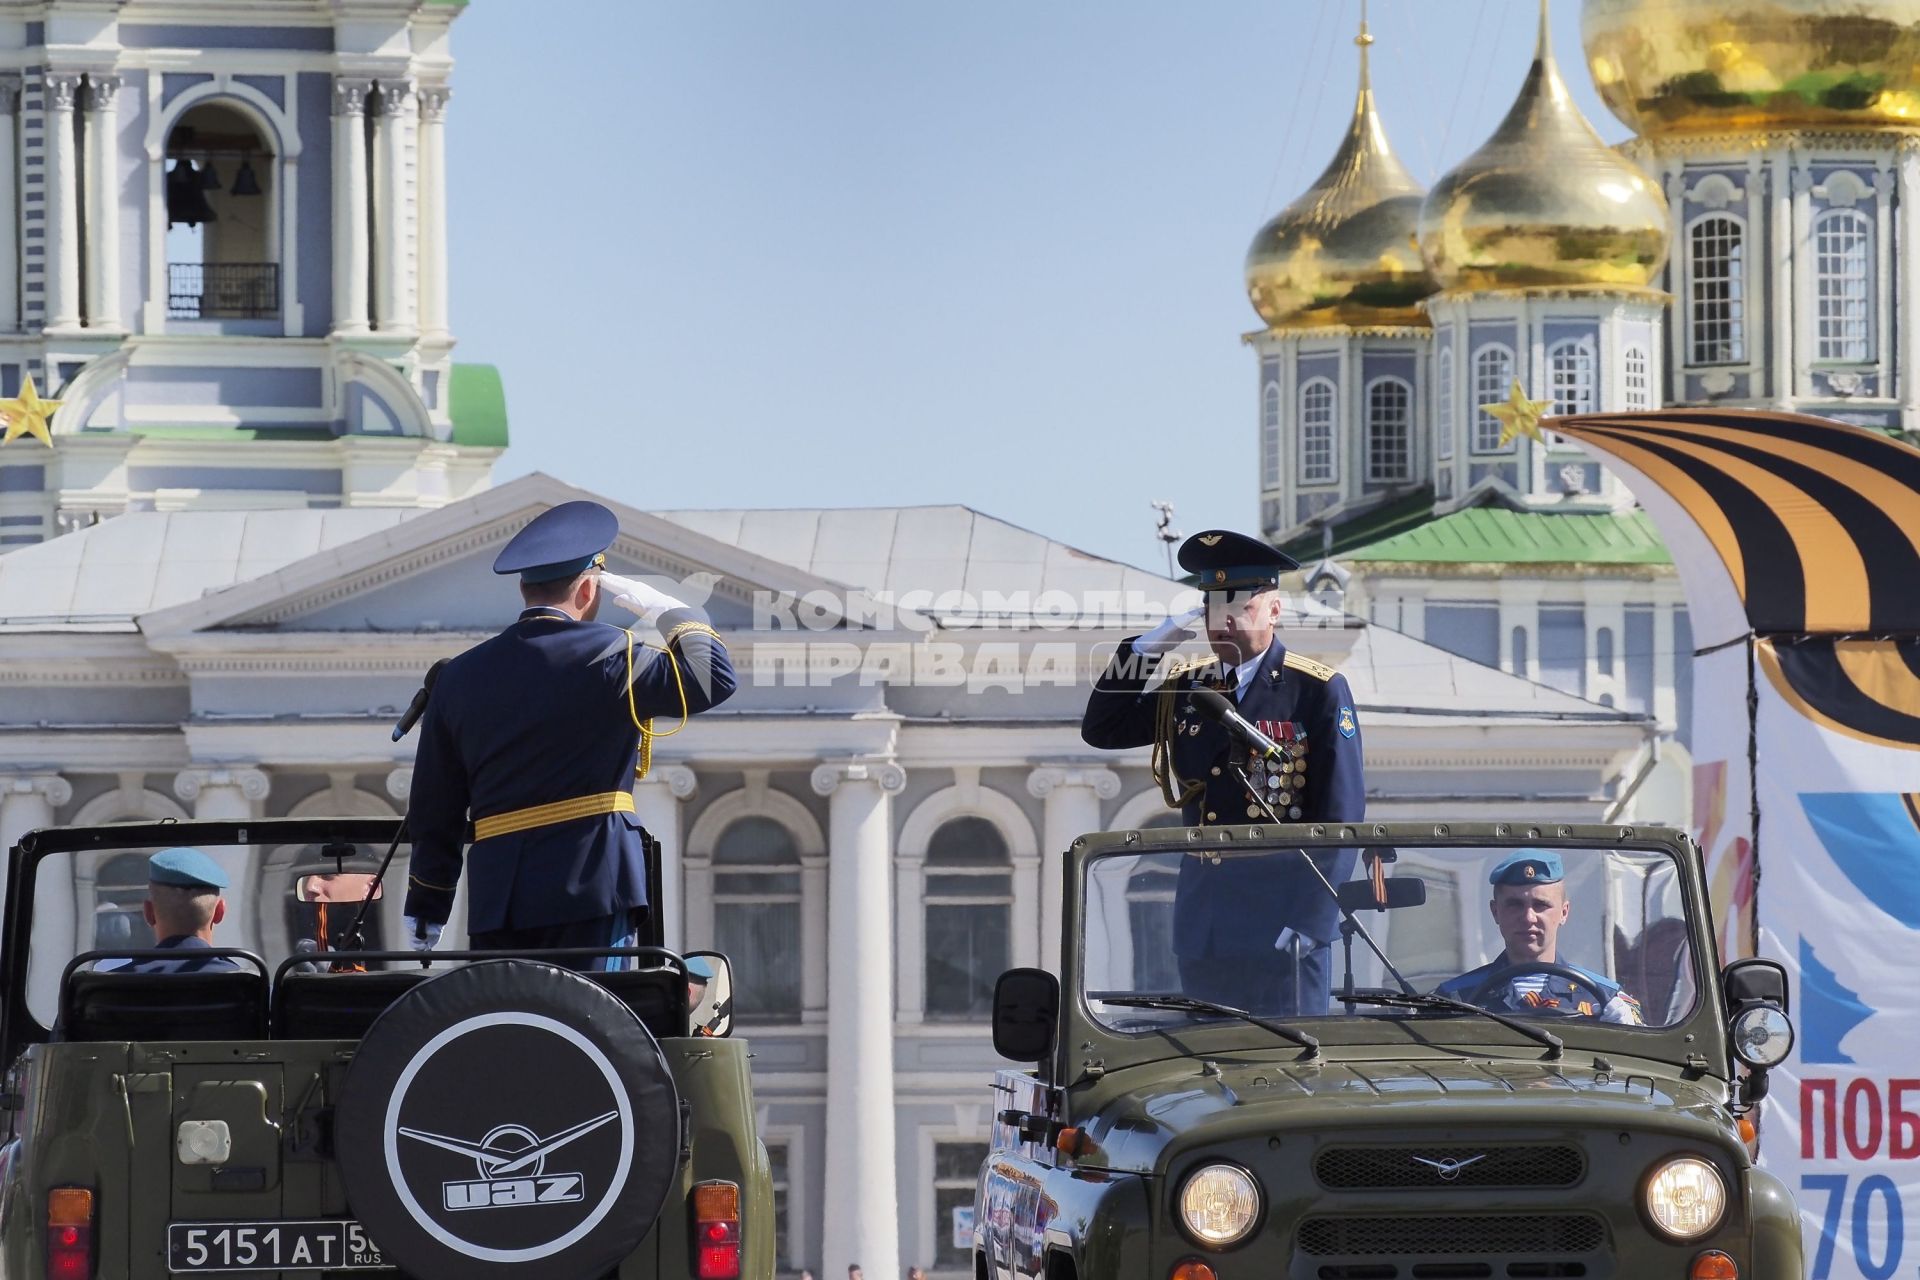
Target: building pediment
column 432, row 574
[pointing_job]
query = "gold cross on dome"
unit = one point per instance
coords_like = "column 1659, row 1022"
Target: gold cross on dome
column 26, row 415
column 1517, row 415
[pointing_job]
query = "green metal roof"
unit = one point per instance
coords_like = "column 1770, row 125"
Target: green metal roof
column 1493, row 535
column 1383, row 521
column 477, row 403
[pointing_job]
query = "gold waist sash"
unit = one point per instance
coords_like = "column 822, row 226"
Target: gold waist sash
column 546, row 815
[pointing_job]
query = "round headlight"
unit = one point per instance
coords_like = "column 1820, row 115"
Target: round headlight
column 1762, row 1036
column 1219, row 1204
column 1686, row 1198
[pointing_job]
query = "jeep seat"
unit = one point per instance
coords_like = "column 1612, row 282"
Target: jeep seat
column 658, row 997
column 336, row 1006
column 229, row 1004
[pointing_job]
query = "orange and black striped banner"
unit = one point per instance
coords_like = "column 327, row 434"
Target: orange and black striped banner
column 1817, row 522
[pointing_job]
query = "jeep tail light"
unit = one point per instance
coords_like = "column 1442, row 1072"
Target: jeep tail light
column 716, row 1231
column 69, row 1233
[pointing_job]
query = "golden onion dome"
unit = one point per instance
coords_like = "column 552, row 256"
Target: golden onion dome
column 1544, row 202
column 1343, row 253
column 1676, row 66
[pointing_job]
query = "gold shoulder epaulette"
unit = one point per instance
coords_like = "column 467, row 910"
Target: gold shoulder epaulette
column 1186, row 667
column 1318, row 670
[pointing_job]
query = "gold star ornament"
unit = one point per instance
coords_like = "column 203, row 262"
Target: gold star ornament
column 26, row 415
column 1517, row 415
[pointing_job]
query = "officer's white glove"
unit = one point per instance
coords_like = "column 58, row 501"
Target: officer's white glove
column 422, row 935
column 1171, row 634
column 637, row 598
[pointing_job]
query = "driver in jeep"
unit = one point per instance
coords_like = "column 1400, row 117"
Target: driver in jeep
column 1529, row 906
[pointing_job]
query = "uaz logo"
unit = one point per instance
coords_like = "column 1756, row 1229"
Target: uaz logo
column 512, row 1162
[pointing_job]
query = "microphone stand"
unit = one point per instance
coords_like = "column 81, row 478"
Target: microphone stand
column 1260, row 798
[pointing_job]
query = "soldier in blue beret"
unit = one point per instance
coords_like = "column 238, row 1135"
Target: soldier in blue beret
column 1529, row 906
column 1254, row 933
column 536, row 736
column 183, row 905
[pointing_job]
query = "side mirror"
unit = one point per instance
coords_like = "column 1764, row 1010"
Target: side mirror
column 1402, row 891
column 1747, row 982
column 1026, row 1003
column 341, row 886
column 709, row 994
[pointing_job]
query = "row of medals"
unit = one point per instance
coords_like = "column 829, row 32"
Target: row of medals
column 1285, row 780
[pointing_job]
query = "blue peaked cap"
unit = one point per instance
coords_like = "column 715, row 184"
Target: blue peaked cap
column 1528, row 866
column 185, row 869
column 562, row 542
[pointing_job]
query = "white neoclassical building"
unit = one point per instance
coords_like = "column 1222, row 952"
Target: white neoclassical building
column 871, row 827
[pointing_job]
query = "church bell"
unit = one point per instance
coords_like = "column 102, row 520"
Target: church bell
column 186, row 201
column 244, row 182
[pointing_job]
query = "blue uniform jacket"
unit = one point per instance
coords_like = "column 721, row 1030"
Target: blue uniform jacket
column 1240, row 905
column 189, row 963
column 535, row 715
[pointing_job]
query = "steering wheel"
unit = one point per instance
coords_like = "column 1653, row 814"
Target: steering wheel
column 1504, row 976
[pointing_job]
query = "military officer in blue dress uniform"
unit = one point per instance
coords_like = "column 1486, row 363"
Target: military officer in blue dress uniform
column 1529, row 906
column 535, row 737
column 183, row 905
column 1252, row 933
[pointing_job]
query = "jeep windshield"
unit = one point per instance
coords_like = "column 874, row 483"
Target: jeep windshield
column 1568, row 936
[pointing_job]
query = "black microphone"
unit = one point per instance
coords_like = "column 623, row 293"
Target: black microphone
column 418, row 707
column 1214, row 706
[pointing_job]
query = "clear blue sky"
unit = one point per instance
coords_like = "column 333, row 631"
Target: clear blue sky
column 873, row 253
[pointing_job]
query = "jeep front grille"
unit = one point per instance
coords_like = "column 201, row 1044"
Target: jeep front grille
column 1404, row 1168
column 1542, row 1235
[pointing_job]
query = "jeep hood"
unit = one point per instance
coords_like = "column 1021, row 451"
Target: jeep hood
column 1136, row 1115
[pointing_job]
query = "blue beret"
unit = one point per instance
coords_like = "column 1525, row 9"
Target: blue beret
column 1528, row 866
column 185, row 869
column 699, row 969
column 562, row 542
column 1221, row 560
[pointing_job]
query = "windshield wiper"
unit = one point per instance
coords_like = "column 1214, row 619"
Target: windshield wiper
column 1171, row 1001
column 1420, row 1000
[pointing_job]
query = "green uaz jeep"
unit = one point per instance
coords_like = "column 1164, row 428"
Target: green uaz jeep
column 1532, row 1079
column 293, row 1108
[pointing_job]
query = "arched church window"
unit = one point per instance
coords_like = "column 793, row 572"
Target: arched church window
column 119, row 895
column 1570, row 375
column 969, row 916
column 1316, row 432
column 1638, row 378
column 756, row 916
column 1716, row 290
column 1492, row 378
column 1842, row 241
column 1270, row 437
column 1443, row 404
column 1389, row 430
column 222, row 211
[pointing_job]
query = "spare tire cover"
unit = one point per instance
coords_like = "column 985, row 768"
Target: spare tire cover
column 507, row 1116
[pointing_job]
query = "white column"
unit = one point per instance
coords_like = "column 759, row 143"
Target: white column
column 656, row 802
column 860, row 1101
column 27, row 803
column 432, row 241
column 1073, row 793
column 103, row 204
column 350, row 206
column 63, row 212
column 813, row 938
column 1906, row 289
column 1779, row 281
column 1883, row 278
column 393, row 299
column 9, row 206
column 910, row 938
column 1798, row 282
column 229, row 793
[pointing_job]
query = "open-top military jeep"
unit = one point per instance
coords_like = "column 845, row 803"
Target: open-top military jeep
column 1529, row 1124
column 296, row 1109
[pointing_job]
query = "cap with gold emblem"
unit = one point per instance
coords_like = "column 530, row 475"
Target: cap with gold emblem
column 1528, row 866
column 1221, row 560
column 562, row 542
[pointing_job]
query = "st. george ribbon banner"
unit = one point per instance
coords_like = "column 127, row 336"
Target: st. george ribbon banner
column 1797, row 541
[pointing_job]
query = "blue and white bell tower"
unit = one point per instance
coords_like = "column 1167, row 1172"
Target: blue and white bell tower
column 231, row 263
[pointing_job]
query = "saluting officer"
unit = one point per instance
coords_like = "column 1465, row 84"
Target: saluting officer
column 537, row 735
column 1256, row 932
